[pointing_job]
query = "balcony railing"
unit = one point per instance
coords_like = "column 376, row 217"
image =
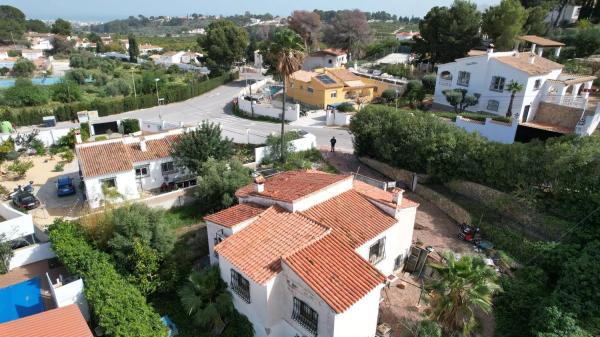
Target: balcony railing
column 569, row 101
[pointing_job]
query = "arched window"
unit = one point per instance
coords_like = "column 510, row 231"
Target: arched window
column 446, row 75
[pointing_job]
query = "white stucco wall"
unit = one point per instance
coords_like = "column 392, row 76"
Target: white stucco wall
column 126, row 184
column 30, row 254
column 493, row 131
column 48, row 136
column 307, row 142
column 360, row 320
column 292, row 111
column 333, row 117
column 70, row 293
column 15, row 224
column 328, row 61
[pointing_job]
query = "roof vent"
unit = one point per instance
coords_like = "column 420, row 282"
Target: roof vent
column 259, row 182
column 397, row 193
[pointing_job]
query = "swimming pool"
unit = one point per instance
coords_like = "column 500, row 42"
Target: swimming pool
column 275, row 89
column 7, row 83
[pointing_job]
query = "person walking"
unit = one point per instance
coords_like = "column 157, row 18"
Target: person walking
column 333, row 141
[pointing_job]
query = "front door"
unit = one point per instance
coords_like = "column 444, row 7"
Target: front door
column 526, row 113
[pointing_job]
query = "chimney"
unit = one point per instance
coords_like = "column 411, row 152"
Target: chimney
column 397, row 193
column 531, row 58
column 78, row 139
column 143, row 144
column 259, row 182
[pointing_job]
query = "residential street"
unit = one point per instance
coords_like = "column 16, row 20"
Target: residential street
column 215, row 106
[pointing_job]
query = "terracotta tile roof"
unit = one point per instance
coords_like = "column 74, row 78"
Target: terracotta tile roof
column 522, row 61
column 343, row 74
column 540, row 41
column 335, row 272
column 292, row 185
column 352, row 215
column 234, row 215
column 62, row 322
column 303, row 75
column 105, row 158
column 257, row 249
column 380, row 195
column 155, row 149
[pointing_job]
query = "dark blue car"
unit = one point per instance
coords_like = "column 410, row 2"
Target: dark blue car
column 64, row 186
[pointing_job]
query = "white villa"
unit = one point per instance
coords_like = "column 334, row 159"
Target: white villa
column 306, row 253
column 40, row 41
column 130, row 166
column 327, row 58
column 552, row 99
column 181, row 57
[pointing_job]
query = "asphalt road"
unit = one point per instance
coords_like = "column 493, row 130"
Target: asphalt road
column 215, row 106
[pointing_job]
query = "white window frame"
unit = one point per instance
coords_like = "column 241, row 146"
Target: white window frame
column 333, row 94
column 141, row 168
column 464, row 77
column 498, row 83
column 380, row 255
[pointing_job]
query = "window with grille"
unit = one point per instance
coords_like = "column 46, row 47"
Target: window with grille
column 167, row 167
column 463, row 78
column 377, row 251
column 493, row 105
column 306, row 316
column 497, row 84
column 141, row 171
column 240, row 286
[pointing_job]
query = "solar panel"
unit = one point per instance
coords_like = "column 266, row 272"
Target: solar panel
column 326, row 79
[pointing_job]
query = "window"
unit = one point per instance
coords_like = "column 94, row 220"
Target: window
column 377, row 251
column 109, row 182
column 446, row 75
column 537, row 85
column 309, row 89
column 463, row 78
column 167, row 167
column 399, row 262
column 497, row 84
column 330, row 61
column 493, row 105
column 240, row 286
column 306, row 316
column 141, row 171
column 333, row 94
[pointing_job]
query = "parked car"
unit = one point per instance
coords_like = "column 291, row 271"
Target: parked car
column 25, row 200
column 64, row 186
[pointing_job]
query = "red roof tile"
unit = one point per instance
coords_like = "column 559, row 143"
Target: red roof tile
column 292, row 185
column 234, row 215
column 62, row 322
column 257, row 249
column 155, row 149
column 335, row 272
column 104, row 158
column 350, row 214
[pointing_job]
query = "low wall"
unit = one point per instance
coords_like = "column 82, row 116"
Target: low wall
column 333, row 117
column 490, row 129
column 171, row 199
column 30, row 254
column 15, row 224
column 70, row 293
column 309, row 141
column 453, row 210
column 48, row 136
column 408, row 178
column 292, row 112
column 158, row 126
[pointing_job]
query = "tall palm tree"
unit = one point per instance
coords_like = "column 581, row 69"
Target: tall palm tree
column 513, row 87
column 288, row 49
column 462, row 287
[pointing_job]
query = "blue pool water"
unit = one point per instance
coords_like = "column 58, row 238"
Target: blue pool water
column 21, row 300
column 37, row 80
column 275, row 89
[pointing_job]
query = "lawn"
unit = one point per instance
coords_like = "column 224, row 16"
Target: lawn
column 184, row 216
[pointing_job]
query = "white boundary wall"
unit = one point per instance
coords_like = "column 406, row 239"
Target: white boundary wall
column 30, row 254
column 16, row 224
column 292, row 112
column 490, row 129
column 48, row 137
column 70, row 293
column 307, row 142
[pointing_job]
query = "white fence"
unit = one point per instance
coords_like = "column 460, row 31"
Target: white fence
column 48, row 137
column 307, row 142
column 490, row 129
column 588, row 124
column 30, row 254
column 158, row 126
column 15, row 224
column 570, row 101
column 333, row 117
column 69, row 293
column 292, row 112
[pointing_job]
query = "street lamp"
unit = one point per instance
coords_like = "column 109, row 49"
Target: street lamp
column 156, row 83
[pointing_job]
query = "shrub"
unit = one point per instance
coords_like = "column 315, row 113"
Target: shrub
column 429, row 81
column 99, row 138
column 23, row 68
column 77, row 75
column 195, row 147
column 218, row 182
column 38, row 146
column 130, row 125
column 68, row 156
column 20, row 167
column 24, row 93
column 118, row 307
column 389, row 95
column 59, row 167
column 66, row 92
column 346, row 107
column 6, row 254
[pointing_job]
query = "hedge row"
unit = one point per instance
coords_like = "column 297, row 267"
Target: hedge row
column 116, row 305
column 111, row 106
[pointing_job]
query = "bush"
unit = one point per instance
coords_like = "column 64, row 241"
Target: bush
column 68, row 156
column 389, row 95
column 59, row 167
column 24, row 93
column 20, row 167
column 77, row 75
column 118, row 307
column 429, row 81
column 346, row 107
column 66, row 92
column 23, row 68
column 130, row 125
column 194, row 148
column 38, row 146
column 218, row 182
column 117, row 87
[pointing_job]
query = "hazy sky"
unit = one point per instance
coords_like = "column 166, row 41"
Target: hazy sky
column 111, row 9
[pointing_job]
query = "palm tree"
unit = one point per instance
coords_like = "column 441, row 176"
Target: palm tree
column 288, row 49
column 513, row 87
column 462, row 287
column 206, row 300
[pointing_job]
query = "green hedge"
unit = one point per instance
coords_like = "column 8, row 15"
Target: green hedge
column 116, row 305
column 561, row 174
column 111, row 106
column 472, row 115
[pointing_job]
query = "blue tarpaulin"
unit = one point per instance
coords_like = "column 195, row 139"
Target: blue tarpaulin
column 21, row 300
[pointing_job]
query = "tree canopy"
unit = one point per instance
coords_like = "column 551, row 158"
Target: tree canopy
column 12, row 24
column 23, row 68
column 61, row 27
column 349, row 30
column 224, row 44
column 449, row 33
column 307, row 25
column 504, row 23
column 25, row 93
column 134, row 50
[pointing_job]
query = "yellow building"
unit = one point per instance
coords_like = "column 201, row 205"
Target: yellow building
column 330, row 87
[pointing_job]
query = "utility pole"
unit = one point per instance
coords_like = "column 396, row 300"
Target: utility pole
column 157, row 97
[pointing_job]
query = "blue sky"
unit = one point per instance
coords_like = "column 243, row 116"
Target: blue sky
column 111, row 9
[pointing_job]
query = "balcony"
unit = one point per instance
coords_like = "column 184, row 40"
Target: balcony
column 568, row 101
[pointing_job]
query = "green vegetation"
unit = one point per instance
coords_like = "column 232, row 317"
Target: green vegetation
column 504, row 23
column 225, row 44
column 472, row 115
column 19, row 168
column 130, row 125
column 197, row 146
column 248, row 115
column 116, row 305
column 12, row 24
column 217, row 183
column 6, row 254
column 24, row 93
column 23, row 68
column 460, row 99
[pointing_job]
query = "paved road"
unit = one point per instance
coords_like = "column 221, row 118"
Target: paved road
column 215, row 106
